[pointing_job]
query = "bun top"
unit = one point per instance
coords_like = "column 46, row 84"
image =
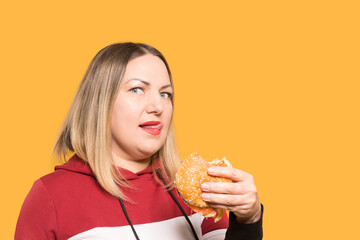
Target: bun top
column 192, row 173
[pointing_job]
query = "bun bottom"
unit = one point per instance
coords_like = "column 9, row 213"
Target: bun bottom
column 208, row 212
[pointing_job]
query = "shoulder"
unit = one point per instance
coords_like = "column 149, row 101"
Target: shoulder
column 72, row 175
column 66, row 186
column 62, row 177
column 59, row 186
column 37, row 218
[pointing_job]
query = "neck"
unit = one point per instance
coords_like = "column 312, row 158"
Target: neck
column 131, row 164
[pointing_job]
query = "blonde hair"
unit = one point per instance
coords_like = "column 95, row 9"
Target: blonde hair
column 86, row 128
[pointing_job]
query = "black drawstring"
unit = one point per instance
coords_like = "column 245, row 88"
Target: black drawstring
column 173, row 197
column 128, row 219
column 177, row 202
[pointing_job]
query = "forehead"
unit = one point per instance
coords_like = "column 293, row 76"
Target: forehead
column 147, row 67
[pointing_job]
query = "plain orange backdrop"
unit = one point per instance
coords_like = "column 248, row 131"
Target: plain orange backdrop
column 271, row 85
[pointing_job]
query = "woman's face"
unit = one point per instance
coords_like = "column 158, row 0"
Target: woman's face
column 143, row 109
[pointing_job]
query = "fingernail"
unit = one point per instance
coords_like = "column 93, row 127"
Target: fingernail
column 211, row 170
column 205, row 196
column 205, row 187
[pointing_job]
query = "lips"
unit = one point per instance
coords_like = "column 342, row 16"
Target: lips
column 152, row 127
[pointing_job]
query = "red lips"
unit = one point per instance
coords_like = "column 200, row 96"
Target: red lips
column 152, row 127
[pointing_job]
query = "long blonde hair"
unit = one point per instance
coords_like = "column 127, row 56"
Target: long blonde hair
column 86, row 128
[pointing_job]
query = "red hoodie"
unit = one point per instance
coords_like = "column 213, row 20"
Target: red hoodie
column 70, row 204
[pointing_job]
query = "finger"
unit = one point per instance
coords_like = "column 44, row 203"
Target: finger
column 228, row 188
column 229, row 208
column 241, row 210
column 230, row 173
column 224, row 199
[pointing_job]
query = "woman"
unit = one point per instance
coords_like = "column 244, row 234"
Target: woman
column 119, row 128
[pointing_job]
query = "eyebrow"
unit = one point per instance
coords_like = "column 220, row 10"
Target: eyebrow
column 147, row 83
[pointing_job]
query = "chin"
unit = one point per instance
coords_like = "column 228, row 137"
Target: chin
column 147, row 152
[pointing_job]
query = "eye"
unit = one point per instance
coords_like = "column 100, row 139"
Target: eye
column 165, row 95
column 137, row 90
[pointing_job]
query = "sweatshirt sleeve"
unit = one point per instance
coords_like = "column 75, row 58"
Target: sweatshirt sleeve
column 251, row 231
column 37, row 219
column 217, row 231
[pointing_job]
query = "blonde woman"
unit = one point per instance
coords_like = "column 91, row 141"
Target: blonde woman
column 120, row 137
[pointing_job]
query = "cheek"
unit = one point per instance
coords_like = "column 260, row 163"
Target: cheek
column 167, row 117
column 169, row 112
column 127, row 110
column 124, row 115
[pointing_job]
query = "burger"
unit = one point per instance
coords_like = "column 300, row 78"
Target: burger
column 189, row 177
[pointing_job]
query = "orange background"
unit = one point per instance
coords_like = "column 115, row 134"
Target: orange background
column 271, row 85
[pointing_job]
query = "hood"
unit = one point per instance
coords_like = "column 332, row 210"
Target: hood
column 76, row 164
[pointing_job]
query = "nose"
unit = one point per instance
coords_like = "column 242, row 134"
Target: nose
column 155, row 104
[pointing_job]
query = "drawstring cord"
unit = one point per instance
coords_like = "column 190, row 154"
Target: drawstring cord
column 175, row 200
column 177, row 203
column 128, row 219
